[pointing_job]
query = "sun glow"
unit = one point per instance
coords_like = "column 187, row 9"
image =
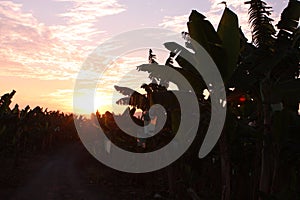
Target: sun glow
column 122, row 72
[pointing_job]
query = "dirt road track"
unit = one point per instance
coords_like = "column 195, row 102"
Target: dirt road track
column 61, row 177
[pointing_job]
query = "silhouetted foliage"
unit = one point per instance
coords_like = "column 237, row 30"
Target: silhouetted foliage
column 30, row 130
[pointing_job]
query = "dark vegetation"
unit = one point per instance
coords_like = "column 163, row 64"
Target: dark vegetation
column 26, row 132
column 258, row 154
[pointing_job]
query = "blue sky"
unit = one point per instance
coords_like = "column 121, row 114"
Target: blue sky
column 44, row 42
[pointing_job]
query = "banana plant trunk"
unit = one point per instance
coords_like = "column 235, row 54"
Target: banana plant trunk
column 171, row 181
column 225, row 167
column 266, row 154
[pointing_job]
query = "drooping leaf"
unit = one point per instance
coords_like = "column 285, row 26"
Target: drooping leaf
column 203, row 32
column 196, row 27
column 124, row 90
column 123, row 101
column 162, row 72
column 290, row 17
column 228, row 31
column 133, row 98
column 185, row 58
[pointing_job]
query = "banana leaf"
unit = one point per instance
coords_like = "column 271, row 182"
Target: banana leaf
column 202, row 32
column 290, row 17
column 228, row 31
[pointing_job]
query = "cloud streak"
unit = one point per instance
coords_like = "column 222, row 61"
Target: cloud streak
column 81, row 17
column 31, row 49
column 175, row 23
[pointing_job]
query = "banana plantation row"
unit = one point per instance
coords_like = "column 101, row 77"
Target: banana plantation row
column 31, row 130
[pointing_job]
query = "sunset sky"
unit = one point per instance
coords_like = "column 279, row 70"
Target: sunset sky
column 43, row 43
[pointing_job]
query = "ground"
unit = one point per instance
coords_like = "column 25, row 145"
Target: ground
column 70, row 172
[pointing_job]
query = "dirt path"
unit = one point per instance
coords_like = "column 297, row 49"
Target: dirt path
column 61, row 177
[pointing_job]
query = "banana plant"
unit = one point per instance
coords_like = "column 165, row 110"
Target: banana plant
column 223, row 45
column 270, row 70
column 263, row 70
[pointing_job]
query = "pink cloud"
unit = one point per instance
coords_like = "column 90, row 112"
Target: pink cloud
column 175, row 23
column 31, row 49
column 28, row 47
column 90, row 10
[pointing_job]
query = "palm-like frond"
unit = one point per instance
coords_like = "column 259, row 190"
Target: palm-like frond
column 124, row 90
column 263, row 32
column 133, row 98
column 152, row 57
column 123, row 101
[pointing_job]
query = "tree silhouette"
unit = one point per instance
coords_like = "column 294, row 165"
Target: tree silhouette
column 263, row 74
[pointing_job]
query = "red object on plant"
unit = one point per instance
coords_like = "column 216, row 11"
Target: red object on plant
column 242, row 99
